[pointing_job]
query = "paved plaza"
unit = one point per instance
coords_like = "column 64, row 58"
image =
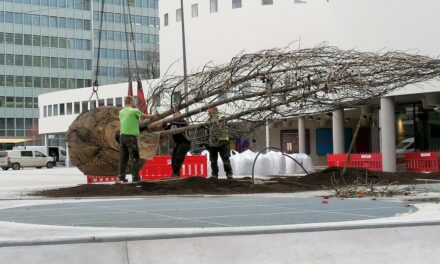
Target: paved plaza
column 210, row 211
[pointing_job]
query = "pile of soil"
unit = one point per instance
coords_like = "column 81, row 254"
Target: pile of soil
column 324, row 180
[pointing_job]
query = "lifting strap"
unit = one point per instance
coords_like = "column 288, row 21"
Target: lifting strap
column 95, row 82
column 130, row 36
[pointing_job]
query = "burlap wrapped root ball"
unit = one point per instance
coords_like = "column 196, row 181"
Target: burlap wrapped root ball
column 93, row 147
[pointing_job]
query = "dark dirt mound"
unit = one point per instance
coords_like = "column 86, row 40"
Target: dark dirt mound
column 331, row 176
column 324, row 180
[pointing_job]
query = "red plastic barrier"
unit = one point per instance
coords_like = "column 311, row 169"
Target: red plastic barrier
column 336, row 160
column 96, row 179
column 371, row 161
column 160, row 167
column 422, row 161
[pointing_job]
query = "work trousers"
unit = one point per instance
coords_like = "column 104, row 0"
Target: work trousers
column 179, row 153
column 128, row 150
column 224, row 150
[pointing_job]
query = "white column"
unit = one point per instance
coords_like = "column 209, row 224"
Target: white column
column 388, row 134
column 301, row 135
column 267, row 134
column 67, row 161
column 46, row 144
column 338, row 131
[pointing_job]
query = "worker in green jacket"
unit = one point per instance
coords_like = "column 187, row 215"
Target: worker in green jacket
column 219, row 146
column 129, row 121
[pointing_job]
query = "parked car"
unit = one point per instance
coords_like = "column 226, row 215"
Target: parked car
column 17, row 159
column 406, row 145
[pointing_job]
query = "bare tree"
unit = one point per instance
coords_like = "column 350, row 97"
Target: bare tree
column 149, row 67
column 275, row 84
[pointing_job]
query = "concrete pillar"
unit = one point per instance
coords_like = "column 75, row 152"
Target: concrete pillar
column 267, row 134
column 338, row 131
column 301, row 135
column 46, row 144
column 67, row 155
column 388, row 134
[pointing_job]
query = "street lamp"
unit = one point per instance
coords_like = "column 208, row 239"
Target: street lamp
column 185, row 83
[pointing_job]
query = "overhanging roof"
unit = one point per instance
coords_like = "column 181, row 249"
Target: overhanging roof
column 13, row 140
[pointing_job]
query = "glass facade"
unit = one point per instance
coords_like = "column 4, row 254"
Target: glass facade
column 418, row 125
column 51, row 45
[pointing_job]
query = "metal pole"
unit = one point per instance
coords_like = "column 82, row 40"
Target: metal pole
column 185, row 83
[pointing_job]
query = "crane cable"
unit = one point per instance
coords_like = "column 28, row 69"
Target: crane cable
column 95, row 82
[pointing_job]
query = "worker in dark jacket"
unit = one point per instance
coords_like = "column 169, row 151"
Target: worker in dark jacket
column 219, row 145
column 182, row 145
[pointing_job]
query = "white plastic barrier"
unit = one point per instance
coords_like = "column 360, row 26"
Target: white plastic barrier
column 293, row 168
column 278, row 161
column 221, row 170
column 271, row 163
column 242, row 163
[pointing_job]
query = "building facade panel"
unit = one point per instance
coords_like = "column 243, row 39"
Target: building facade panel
column 47, row 46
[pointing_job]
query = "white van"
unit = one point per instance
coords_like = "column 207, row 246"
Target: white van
column 57, row 152
column 17, row 159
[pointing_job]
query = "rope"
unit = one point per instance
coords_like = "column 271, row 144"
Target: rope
column 126, row 39
column 134, row 43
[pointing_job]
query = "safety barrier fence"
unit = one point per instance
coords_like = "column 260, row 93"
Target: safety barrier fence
column 160, row 168
column 412, row 161
column 371, row 161
column 422, row 161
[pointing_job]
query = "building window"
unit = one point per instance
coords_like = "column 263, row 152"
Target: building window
column 110, row 102
column 92, row 104
column 85, row 106
column 77, row 108
column 45, row 111
column 178, row 15
column 55, row 110
column 195, row 10
column 267, row 2
column 165, row 19
column 69, row 108
column 236, row 3
column 28, row 102
column 19, row 103
column 49, row 112
column 62, row 112
column 213, row 6
column 119, row 102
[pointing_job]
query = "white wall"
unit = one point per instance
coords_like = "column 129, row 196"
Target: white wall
column 60, row 124
column 366, row 25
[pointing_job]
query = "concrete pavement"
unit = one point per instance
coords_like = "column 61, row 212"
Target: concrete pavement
column 399, row 233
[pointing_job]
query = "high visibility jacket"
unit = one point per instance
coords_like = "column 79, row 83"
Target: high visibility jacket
column 224, row 136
